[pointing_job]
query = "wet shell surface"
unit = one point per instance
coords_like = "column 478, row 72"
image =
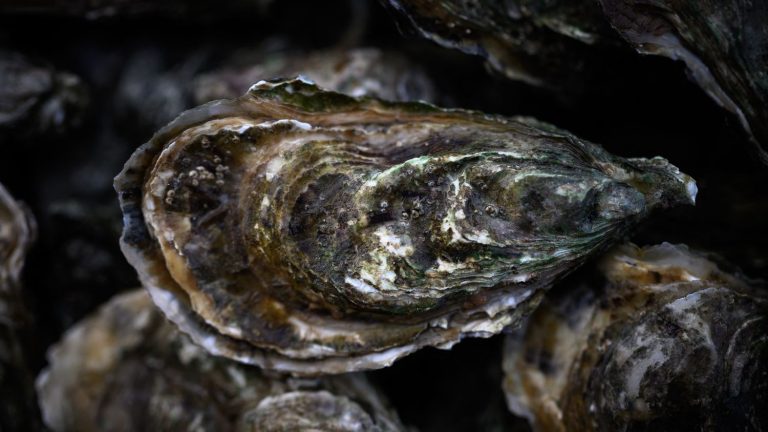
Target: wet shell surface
column 125, row 368
column 308, row 231
column 672, row 342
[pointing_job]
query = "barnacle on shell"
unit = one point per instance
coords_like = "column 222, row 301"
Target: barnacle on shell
column 672, row 342
column 125, row 368
column 305, row 230
column 17, row 231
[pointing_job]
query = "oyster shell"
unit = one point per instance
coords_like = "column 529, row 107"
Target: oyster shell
column 544, row 43
column 673, row 342
column 152, row 94
column 125, row 368
column 17, row 404
column 36, row 100
column 355, row 72
column 308, row 231
column 724, row 45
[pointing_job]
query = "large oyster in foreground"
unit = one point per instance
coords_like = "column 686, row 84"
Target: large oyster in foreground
column 673, row 342
column 126, row 368
column 17, row 231
column 309, row 231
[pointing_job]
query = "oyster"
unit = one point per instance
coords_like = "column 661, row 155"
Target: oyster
column 37, row 100
column 673, row 342
column 355, row 72
column 724, row 45
column 151, row 93
column 17, row 403
column 308, row 231
column 544, row 43
column 125, row 368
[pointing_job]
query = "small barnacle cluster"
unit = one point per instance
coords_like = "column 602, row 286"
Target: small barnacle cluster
column 318, row 231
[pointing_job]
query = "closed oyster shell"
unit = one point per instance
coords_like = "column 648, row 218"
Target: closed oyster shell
column 673, row 342
column 37, row 100
column 724, row 45
column 312, row 232
column 17, row 232
column 125, row 368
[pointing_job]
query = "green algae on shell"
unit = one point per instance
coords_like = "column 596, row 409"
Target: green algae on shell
column 672, row 342
column 125, row 368
column 309, row 231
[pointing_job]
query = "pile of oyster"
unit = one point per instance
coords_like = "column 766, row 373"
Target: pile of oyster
column 334, row 223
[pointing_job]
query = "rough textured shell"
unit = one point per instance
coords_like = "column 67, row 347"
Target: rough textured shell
column 309, row 231
column 125, row 368
column 672, row 343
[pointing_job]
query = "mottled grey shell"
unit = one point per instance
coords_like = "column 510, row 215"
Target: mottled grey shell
column 309, row 231
column 17, row 232
column 125, row 368
column 671, row 343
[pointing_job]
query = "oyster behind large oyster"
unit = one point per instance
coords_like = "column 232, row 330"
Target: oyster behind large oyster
column 673, row 342
column 17, row 403
column 355, row 72
column 724, row 44
column 126, row 368
column 151, row 93
column 309, row 231
column 544, row 43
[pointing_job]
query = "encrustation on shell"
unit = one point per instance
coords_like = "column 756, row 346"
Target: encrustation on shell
column 672, row 342
column 308, row 231
column 126, row 368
